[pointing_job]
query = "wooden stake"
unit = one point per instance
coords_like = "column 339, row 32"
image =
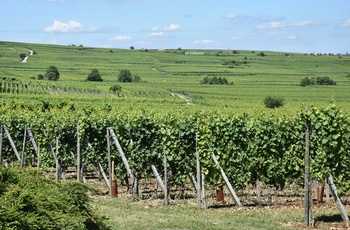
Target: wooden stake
column 78, row 154
column 109, row 162
column 340, row 205
column 307, row 189
column 166, row 200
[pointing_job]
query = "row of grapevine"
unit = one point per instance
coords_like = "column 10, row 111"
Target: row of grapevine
column 268, row 148
column 17, row 87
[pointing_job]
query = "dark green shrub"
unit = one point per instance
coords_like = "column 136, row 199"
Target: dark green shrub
column 325, row 81
column 30, row 201
column 307, row 81
column 318, row 81
column 214, row 81
column 94, row 76
column 273, row 102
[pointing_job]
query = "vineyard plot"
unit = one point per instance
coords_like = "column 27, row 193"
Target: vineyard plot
column 270, row 149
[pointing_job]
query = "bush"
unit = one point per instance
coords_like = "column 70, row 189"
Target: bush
column 30, row 201
column 273, row 102
column 318, row 81
column 325, row 81
column 52, row 73
column 307, row 81
column 214, row 81
column 94, row 76
column 126, row 76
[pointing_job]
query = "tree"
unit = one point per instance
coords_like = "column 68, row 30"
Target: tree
column 132, row 48
column 94, row 76
column 52, row 73
column 273, row 102
column 124, row 75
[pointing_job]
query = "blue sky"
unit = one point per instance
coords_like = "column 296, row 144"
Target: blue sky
column 276, row 25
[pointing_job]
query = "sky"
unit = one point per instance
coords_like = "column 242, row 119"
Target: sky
column 269, row 25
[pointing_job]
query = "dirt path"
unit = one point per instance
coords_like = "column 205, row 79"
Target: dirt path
column 26, row 58
column 187, row 98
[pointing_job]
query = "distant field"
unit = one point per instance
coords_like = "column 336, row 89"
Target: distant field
column 171, row 79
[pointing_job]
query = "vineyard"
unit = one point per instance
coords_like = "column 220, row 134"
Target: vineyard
column 269, row 149
column 253, row 77
column 171, row 128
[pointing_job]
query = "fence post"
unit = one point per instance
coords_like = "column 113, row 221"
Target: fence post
column 78, row 154
column 307, row 184
column 12, row 143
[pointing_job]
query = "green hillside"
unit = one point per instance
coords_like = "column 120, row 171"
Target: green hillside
column 171, row 79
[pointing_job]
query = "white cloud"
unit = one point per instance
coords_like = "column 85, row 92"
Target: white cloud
column 171, row 27
column 157, row 34
column 71, row 26
column 347, row 23
column 292, row 37
column 203, row 42
column 120, row 38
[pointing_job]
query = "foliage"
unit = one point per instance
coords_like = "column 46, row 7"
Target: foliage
column 126, row 76
column 94, row 76
column 29, row 201
column 214, row 81
column 261, row 54
column 268, row 148
column 273, row 102
column 307, row 81
column 325, row 81
column 318, row 81
column 52, row 73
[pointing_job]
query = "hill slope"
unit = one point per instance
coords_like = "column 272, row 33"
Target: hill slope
column 171, row 79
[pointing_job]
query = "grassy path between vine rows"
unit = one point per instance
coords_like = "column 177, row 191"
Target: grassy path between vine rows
column 123, row 213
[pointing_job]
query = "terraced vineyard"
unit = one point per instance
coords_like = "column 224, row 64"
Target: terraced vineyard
column 254, row 77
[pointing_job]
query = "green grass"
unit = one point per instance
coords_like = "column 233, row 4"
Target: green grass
column 122, row 213
column 253, row 77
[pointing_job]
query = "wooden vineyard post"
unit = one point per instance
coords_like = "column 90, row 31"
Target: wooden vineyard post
column 166, row 200
column 104, row 175
column 109, row 162
column 340, row 206
column 227, row 182
column 24, row 146
column 158, row 179
column 78, row 154
column 203, row 197
column 56, row 161
column 307, row 184
column 31, row 138
column 12, row 143
column 198, row 187
column 121, row 153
